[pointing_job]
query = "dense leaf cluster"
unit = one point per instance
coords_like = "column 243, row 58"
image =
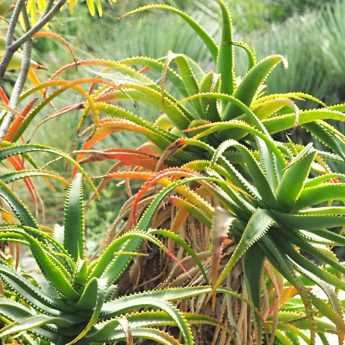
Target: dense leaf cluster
column 222, row 152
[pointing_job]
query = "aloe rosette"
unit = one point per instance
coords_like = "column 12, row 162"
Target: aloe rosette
column 80, row 301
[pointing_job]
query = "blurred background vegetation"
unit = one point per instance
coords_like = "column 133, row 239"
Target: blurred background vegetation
column 309, row 33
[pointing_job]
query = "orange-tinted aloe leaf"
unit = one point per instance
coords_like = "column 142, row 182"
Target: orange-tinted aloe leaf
column 180, row 218
column 7, row 216
column 125, row 69
column 131, row 175
column 55, row 115
column 287, row 294
column 169, row 151
column 170, row 172
column 191, row 209
column 66, row 85
column 147, row 148
column 3, row 96
column 18, row 120
column 107, row 127
column 125, row 156
column 18, row 164
column 177, row 222
column 56, row 37
column 33, row 77
column 120, row 175
column 161, row 179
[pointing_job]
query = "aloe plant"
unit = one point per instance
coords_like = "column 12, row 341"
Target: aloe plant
column 81, row 302
column 280, row 220
column 216, row 142
column 273, row 218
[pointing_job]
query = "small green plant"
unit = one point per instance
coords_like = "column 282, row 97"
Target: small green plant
column 81, row 302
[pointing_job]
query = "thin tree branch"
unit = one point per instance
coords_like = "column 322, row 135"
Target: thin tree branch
column 9, row 36
column 18, row 87
column 26, row 41
column 39, row 25
column 23, row 73
column 13, row 21
column 14, row 46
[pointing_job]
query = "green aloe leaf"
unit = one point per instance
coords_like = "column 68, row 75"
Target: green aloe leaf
column 257, row 227
column 310, row 266
column 209, row 85
column 17, row 206
column 28, row 292
column 101, row 293
column 140, row 301
column 107, row 265
column 74, row 224
column 156, row 100
column 88, row 297
column 254, row 170
column 155, row 335
column 182, row 243
column 321, row 218
column 253, row 268
column 295, row 176
column 328, row 136
column 205, row 37
column 157, row 66
column 321, row 193
column 53, row 270
column 225, row 61
column 22, row 174
column 285, row 122
column 250, row 84
column 159, row 136
column 10, row 150
column 151, row 319
column 248, row 50
column 187, row 75
column 33, row 322
column 13, row 310
column 322, row 255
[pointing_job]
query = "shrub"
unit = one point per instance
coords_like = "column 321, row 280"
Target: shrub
column 264, row 209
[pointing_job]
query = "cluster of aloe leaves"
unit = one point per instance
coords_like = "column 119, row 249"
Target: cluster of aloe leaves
column 82, row 303
column 219, row 140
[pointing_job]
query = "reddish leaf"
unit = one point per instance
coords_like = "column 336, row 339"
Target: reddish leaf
column 18, row 164
column 127, row 157
column 107, row 127
column 172, row 172
column 3, row 96
column 18, row 120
